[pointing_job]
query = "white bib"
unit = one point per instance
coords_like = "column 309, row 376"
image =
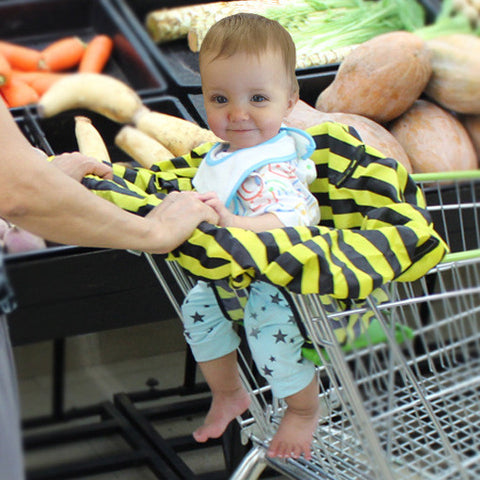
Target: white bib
column 224, row 173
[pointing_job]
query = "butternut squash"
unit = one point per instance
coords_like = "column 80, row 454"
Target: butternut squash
column 434, row 139
column 373, row 134
column 380, row 79
column 455, row 79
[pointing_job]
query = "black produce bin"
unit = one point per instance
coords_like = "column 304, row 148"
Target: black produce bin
column 57, row 133
column 67, row 290
column 175, row 58
column 37, row 23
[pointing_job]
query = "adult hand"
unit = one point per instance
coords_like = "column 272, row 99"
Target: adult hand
column 179, row 214
column 77, row 165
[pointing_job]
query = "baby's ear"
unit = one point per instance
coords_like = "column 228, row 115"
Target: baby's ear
column 292, row 101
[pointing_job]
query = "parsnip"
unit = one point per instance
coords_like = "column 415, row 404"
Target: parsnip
column 141, row 147
column 176, row 134
column 89, row 140
column 98, row 92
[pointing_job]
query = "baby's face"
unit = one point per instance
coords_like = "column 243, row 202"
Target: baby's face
column 246, row 97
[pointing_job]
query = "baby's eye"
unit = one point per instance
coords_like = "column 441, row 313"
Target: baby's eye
column 219, row 99
column 258, row 98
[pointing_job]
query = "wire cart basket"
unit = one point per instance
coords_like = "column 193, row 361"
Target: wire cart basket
column 403, row 402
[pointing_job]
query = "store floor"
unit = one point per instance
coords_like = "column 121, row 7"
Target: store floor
column 93, row 381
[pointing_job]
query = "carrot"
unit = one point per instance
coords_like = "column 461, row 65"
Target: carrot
column 62, row 54
column 96, row 54
column 20, row 57
column 40, row 81
column 5, row 70
column 18, row 93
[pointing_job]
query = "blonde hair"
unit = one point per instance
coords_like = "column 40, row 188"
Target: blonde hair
column 251, row 34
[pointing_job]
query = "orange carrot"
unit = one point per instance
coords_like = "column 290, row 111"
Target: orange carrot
column 40, row 81
column 20, row 57
column 96, row 54
column 62, row 54
column 5, row 70
column 18, row 93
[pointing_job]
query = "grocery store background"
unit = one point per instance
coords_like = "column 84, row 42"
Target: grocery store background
column 99, row 348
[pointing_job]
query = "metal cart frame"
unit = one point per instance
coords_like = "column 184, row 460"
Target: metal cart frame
column 406, row 404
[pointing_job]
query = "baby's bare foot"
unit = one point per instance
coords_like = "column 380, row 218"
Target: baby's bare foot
column 294, row 435
column 225, row 407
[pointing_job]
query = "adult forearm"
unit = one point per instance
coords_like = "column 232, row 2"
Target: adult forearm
column 50, row 204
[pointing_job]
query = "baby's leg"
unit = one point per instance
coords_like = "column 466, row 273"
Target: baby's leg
column 276, row 345
column 230, row 399
column 214, row 342
column 295, row 433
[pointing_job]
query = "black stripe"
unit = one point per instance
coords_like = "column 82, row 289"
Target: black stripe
column 271, row 245
column 293, row 235
column 180, row 162
column 290, row 264
column 374, row 185
column 411, row 191
column 109, row 185
column 130, row 175
column 168, row 185
column 199, row 253
column 377, row 238
column 349, row 206
column 390, row 215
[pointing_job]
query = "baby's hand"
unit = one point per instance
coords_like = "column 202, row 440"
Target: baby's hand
column 226, row 218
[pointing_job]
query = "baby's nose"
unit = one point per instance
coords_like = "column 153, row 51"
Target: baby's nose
column 238, row 112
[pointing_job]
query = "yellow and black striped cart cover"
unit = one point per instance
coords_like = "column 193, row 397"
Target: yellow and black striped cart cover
column 374, row 227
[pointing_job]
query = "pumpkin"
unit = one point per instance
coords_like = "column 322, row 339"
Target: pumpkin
column 455, row 79
column 434, row 139
column 380, row 79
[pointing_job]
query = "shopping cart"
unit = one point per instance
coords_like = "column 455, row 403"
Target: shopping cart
column 402, row 401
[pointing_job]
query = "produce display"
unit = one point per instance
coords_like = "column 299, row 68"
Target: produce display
column 420, row 94
column 27, row 73
column 324, row 32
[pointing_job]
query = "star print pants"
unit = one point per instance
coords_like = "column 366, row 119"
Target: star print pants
column 271, row 331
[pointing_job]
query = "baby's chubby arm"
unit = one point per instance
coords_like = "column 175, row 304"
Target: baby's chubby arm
column 260, row 223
